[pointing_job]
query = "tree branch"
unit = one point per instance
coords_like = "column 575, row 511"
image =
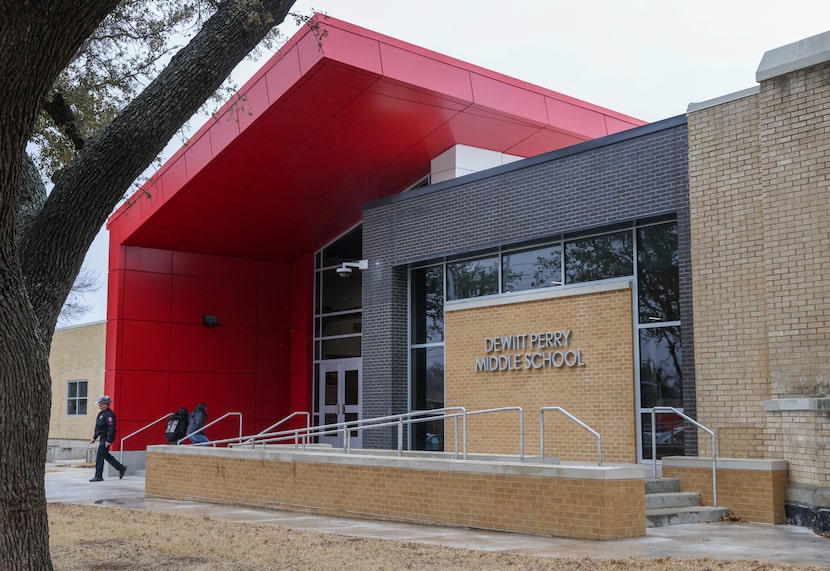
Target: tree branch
column 64, row 118
column 54, row 245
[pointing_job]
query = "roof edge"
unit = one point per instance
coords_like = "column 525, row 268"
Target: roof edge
column 590, row 145
column 793, row 57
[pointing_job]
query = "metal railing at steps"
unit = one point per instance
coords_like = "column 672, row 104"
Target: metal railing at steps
column 208, row 425
column 142, row 429
column 165, row 417
column 307, row 416
column 576, row 420
column 309, row 432
column 669, row 409
column 405, row 419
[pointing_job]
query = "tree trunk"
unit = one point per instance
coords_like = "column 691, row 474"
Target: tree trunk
column 37, row 39
column 41, row 255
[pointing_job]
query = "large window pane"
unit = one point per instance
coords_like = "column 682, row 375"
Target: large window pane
column 473, row 278
column 532, row 269
column 340, row 348
column 427, row 305
column 661, row 380
column 428, row 394
column 341, row 294
column 669, row 436
column 347, row 324
column 599, row 257
column 658, row 285
column 347, row 248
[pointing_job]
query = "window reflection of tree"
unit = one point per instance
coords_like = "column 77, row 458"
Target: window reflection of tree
column 472, row 278
column 659, row 279
column 544, row 271
column 434, row 304
column 661, row 377
column 599, row 257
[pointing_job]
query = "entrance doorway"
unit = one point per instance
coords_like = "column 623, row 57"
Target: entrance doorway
column 341, row 384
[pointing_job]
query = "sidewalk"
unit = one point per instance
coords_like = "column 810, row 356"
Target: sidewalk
column 727, row 540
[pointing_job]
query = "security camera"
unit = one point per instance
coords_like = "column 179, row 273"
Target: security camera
column 345, row 269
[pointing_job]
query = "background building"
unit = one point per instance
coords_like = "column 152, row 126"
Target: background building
column 76, row 362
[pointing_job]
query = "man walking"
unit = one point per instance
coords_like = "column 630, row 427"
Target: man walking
column 105, row 434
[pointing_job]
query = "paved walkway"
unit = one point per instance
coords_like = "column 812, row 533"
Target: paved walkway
column 727, row 540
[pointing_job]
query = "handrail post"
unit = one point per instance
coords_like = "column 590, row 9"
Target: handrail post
column 347, row 440
column 700, row 426
column 596, row 434
column 654, row 443
column 400, row 436
column 464, row 425
column 521, row 435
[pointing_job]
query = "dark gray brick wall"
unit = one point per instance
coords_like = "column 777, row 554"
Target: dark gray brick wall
column 618, row 179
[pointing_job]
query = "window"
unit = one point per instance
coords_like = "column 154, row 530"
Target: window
column 532, row 269
column 473, row 278
column 556, row 262
column 76, row 398
column 658, row 277
column 599, row 257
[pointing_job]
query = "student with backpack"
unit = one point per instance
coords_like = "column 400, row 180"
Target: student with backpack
column 197, row 421
column 176, row 428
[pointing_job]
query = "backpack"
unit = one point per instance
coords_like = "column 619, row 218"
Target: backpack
column 176, row 427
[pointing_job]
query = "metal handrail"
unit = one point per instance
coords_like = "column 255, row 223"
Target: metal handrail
column 412, row 417
column 576, row 420
column 398, row 420
column 143, row 428
column 500, row 409
column 276, row 424
column 406, row 418
column 670, row 409
column 211, row 424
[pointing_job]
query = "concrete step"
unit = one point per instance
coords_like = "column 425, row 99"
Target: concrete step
column 672, row 500
column 662, row 485
column 675, row 516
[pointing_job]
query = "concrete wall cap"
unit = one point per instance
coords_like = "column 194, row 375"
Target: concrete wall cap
column 802, row 403
column 760, row 464
column 792, row 57
column 366, row 458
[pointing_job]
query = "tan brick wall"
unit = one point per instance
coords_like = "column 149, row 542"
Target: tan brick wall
column 759, row 171
column 752, row 495
column 795, row 147
column 77, row 355
column 728, row 275
column 600, row 393
column 563, row 507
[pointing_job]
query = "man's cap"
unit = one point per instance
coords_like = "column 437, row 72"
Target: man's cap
column 104, row 399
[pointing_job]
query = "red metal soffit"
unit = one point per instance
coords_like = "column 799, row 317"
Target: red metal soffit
column 325, row 127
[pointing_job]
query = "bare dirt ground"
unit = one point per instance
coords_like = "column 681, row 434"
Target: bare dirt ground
column 112, row 538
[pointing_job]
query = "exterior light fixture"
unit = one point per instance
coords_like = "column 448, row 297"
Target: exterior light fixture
column 210, row 320
column 345, row 269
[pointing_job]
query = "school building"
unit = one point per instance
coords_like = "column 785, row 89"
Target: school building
column 372, row 228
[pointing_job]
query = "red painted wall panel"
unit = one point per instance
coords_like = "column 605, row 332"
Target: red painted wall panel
column 212, row 349
column 148, row 259
column 145, row 346
column 232, row 301
column 271, row 400
column 146, row 296
column 274, row 302
column 189, row 264
column 145, row 395
column 160, row 357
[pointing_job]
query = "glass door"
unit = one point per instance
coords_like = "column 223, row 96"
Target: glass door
column 341, row 384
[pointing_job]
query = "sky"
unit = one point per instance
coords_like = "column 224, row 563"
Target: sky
column 645, row 58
